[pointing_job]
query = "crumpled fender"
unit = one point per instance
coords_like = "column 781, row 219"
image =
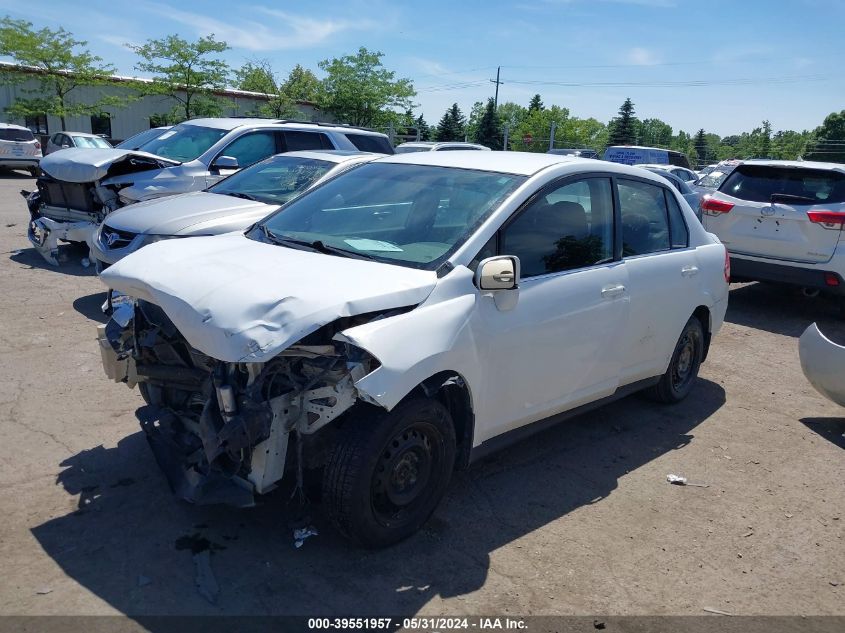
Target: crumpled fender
column 823, row 363
column 416, row 345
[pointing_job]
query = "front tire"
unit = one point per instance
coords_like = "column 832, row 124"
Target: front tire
column 388, row 472
column 679, row 378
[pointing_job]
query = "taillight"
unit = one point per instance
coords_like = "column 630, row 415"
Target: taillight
column 828, row 219
column 831, row 279
column 727, row 267
column 37, row 145
column 711, row 206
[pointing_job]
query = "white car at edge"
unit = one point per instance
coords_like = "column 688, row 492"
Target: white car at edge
column 408, row 317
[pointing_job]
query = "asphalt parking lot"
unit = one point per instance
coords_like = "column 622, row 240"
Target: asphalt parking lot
column 577, row 520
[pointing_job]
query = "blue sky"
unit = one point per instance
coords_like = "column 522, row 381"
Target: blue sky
column 724, row 65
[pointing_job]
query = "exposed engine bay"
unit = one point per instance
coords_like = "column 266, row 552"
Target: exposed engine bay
column 223, row 431
column 66, row 209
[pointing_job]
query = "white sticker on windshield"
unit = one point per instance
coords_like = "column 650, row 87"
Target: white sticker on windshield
column 373, row 245
column 167, row 134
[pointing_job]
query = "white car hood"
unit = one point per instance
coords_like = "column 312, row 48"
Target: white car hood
column 76, row 164
column 239, row 300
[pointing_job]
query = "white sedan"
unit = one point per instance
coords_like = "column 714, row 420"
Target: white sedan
column 408, row 317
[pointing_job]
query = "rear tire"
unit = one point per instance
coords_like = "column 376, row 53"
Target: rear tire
column 679, row 378
column 388, row 471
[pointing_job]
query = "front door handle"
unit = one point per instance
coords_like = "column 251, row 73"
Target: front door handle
column 608, row 292
column 689, row 271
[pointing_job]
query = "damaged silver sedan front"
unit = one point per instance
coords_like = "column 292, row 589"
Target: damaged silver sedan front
column 405, row 318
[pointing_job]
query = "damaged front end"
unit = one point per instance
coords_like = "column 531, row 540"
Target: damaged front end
column 73, row 197
column 224, row 431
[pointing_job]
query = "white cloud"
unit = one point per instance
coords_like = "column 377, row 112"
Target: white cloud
column 639, row 56
column 280, row 31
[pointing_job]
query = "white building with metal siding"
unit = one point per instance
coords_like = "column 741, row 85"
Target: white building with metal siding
column 133, row 117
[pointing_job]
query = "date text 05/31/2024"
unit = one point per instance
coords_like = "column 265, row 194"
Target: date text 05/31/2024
column 420, row 624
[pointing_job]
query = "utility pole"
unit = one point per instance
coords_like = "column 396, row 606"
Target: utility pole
column 498, row 83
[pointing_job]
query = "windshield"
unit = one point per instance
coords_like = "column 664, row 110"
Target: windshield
column 275, row 180
column 90, row 141
column 712, row 180
column 184, row 142
column 136, row 141
column 407, row 149
column 412, row 215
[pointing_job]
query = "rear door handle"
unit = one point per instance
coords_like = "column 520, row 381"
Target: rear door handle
column 689, row 271
column 608, row 292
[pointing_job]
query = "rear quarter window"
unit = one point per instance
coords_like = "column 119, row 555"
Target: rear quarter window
column 758, row 183
column 369, row 143
column 11, row 134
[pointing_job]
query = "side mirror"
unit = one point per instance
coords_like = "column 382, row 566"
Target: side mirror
column 65, row 145
column 225, row 162
column 498, row 273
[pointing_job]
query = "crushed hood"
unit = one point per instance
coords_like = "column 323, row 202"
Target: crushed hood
column 76, row 164
column 175, row 215
column 236, row 299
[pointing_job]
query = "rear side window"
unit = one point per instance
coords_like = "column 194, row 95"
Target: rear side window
column 758, row 183
column 295, row 141
column 12, row 134
column 645, row 225
column 370, row 143
column 678, row 231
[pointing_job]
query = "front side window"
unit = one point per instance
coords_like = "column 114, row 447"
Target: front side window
column 184, row 142
column 251, row 148
column 391, row 212
column 645, row 224
column 275, row 180
column 569, row 227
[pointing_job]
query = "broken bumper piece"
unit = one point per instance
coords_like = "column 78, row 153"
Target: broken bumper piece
column 44, row 234
column 188, row 478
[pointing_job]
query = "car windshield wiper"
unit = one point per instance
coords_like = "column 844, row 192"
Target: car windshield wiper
column 787, row 197
column 317, row 246
column 238, row 194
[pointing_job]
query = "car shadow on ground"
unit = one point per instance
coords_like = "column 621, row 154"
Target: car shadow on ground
column 130, row 542
column 831, row 429
column 70, row 259
column 783, row 310
column 91, row 306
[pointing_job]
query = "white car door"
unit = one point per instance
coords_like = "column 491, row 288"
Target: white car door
column 663, row 275
column 558, row 346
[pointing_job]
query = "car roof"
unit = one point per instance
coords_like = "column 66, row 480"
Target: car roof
column 519, row 163
column 331, row 155
column 664, row 166
column 229, row 123
column 12, row 126
column 805, row 164
column 433, row 144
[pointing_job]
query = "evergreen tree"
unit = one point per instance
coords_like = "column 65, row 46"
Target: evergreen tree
column 536, row 104
column 489, row 131
column 422, row 126
column 623, row 129
column 701, row 147
column 452, row 125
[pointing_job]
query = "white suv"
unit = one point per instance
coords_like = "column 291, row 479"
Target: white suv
column 79, row 187
column 407, row 317
column 782, row 222
column 19, row 149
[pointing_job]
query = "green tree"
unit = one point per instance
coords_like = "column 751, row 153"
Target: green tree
column 422, row 126
column 583, row 133
column 301, row 85
column 258, row 76
column 474, row 119
column 655, row 133
column 701, row 147
column 512, row 114
column 63, row 64
column 538, row 124
column 359, row 90
column 789, row 145
column 829, row 141
column 188, row 72
column 623, row 129
column 535, row 104
column 489, row 130
column 452, row 126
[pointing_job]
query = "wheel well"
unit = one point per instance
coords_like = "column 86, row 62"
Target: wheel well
column 451, row 390
column 702, row 313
